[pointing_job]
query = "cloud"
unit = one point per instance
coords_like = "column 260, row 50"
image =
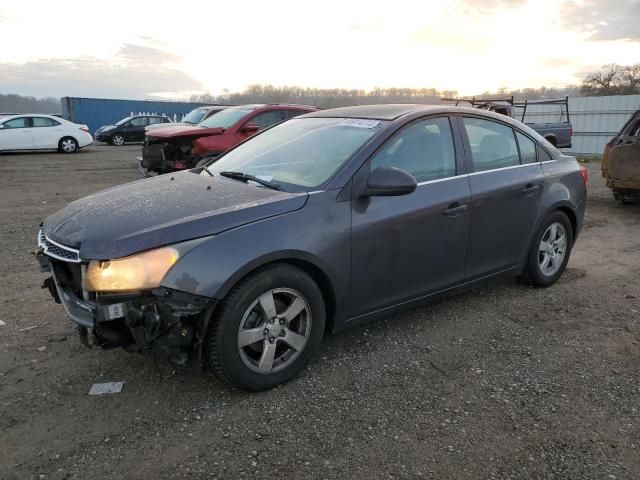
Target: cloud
column 480, row 4
column 603, row 19
column 134, row 72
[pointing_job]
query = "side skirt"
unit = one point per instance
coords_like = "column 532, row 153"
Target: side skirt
column 406, row 305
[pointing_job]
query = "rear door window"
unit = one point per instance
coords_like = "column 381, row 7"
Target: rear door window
column 527, row 149
column 423, row 149
column 493, row 144
column 44, row 122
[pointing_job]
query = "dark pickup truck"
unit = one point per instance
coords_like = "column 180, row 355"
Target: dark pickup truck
column 557, row 134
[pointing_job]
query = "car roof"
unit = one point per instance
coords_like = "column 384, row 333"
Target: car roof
column 7, row 116
column 394, row 111
column 211, row 107
column 274, row 106
column 374, row 112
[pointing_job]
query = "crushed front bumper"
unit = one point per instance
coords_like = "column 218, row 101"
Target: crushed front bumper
column 169, row 322
column 83, row 311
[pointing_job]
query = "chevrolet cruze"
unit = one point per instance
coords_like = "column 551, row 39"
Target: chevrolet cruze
column 319, row 223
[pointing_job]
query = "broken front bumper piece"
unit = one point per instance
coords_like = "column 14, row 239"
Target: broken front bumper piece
column 165, row 322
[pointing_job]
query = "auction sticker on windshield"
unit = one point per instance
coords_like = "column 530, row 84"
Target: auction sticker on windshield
column 360, row 123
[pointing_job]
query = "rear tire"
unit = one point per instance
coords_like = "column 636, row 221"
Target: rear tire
column 267, row 328
column 68, row 145
column 117, row 140
column 550, row 250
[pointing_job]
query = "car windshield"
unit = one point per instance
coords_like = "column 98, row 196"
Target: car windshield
column 226, row 118
column 195, row 116
column 124, row 120
column 302, row 154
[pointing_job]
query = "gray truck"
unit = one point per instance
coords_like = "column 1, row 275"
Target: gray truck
column 557, row 134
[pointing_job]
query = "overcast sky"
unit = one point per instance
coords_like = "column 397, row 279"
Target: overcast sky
column 140, row 49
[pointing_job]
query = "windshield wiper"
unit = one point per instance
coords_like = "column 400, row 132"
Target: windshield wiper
column 245, row 177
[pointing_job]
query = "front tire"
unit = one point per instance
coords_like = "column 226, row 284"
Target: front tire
column 267, row 328
column 117, row 140
column 550, row 250
column 68, row 145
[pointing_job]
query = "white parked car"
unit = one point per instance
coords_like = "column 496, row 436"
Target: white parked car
column 42, row 132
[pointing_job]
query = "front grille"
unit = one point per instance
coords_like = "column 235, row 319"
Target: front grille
column 55, row 250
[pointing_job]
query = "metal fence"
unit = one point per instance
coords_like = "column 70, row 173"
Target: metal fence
column 595, row 120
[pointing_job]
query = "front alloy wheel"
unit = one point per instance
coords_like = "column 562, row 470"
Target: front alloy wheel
column 266, row 329
column 117, row 140
column 274, row 330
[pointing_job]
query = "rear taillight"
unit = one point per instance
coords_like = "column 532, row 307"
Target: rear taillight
column 84, row 129
column 571, row 132
column 584, row 173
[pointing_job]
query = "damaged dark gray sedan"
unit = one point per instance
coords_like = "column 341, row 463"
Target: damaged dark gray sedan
column 322, row 222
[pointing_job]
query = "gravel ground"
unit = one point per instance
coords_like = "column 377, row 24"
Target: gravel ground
column 504, row 381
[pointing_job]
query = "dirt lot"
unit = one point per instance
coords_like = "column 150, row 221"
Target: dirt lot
column 505, row 381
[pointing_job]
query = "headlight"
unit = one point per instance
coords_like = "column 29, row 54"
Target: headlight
column 137, row 272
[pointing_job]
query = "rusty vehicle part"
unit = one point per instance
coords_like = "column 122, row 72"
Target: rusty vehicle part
column 621, row 162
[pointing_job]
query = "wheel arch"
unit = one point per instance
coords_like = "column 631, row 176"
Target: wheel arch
column 573, row 218
column 305, row 262
column 551, row 138
column 562, row 206
column 72, row 138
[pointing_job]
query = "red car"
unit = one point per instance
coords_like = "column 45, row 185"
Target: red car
column 181, row 147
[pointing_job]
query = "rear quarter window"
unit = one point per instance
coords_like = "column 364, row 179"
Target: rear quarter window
column 543, row 155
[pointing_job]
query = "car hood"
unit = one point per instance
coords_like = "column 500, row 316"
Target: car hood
column 184, row 131
column 159, row 126
column 163, row 210
column 104, row 127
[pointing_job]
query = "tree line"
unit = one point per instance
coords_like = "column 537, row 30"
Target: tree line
column 323, row 97
column 13, row 103
column 611, row 79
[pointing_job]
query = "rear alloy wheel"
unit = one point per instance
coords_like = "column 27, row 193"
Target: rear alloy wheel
column 550, row 250
column 68, row 145
column 117, row 140
column 266, row 329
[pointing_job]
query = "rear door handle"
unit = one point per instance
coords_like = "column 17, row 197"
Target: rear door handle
column 529, row 189
column 455, row 209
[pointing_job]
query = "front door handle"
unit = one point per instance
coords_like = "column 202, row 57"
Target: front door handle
column 529, row 189
column 455, row 209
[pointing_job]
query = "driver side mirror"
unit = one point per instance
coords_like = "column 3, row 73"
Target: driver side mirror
column 389, row 182
column 250, row 128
